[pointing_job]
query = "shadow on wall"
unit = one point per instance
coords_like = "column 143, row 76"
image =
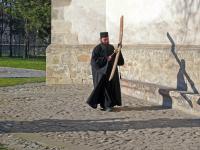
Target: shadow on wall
column 182, row 79
column 181, row 84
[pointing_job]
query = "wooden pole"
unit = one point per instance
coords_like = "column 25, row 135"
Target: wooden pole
column 119, row 48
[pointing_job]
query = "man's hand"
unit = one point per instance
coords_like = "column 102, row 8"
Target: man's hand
column 109, row 58
column 116, row 50
column 119, row 45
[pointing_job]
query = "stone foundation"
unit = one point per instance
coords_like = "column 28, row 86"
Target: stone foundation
column 165, row 96
column 154, row 64
column 68, row 64
column 157, row 64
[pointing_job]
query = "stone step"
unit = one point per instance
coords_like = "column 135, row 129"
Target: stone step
column 162, row 95
column 188, row 102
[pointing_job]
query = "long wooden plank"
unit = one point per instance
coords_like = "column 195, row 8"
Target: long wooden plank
column 119, row 48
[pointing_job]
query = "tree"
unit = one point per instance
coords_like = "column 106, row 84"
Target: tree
column 36, row 16
column 3, row 24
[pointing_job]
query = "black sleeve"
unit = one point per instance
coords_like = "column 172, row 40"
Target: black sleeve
column 99, row 60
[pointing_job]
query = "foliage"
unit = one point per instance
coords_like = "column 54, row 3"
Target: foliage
column 35, row 13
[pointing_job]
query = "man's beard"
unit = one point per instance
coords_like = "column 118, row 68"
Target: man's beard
column 105, row 43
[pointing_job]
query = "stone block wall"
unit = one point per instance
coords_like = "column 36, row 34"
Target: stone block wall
column 146, row 63
column 157, row 64
column 68, row 64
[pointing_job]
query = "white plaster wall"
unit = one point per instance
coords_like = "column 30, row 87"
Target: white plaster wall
column 147, row 21
column 87, row 18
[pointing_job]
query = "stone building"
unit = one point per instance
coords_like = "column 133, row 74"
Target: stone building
column 147, row 50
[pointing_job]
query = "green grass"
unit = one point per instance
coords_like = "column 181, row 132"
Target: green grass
column 2, row 147
column 15, row 81
column 38, row 64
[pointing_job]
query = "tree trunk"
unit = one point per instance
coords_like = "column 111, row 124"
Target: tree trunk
column 1, row 44
column 11, row 34
column 1, row 32
column 26, row 41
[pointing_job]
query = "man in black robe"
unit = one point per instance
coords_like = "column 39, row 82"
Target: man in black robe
column 106, row 93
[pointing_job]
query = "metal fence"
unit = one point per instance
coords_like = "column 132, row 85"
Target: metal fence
column 18, row 50
column 12, row 38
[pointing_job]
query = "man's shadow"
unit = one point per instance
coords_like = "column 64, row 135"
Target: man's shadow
column 182, row 79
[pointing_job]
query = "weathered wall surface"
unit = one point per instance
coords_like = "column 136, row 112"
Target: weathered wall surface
column 157, row 64
column 77, row 22
column 68, row 64
column 147, row 63
column 75, row 31
column 148, row 21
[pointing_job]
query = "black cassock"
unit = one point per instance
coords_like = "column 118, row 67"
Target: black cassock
column 106, row 93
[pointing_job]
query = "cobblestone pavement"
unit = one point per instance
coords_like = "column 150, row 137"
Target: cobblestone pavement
column 7, row 72
column 40, row 117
